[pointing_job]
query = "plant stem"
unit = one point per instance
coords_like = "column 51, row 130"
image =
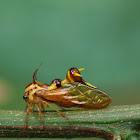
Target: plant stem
column 112, row 123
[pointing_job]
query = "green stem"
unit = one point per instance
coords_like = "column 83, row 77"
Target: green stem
column 113, row 123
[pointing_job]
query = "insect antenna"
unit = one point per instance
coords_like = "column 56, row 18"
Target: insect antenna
column 34, row 75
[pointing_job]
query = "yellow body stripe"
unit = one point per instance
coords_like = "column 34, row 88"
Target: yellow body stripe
column 65, row 81
column 33, row 91
column 29, row 88
column 39, row 87
column 52, row 86
column 71, row 80
column 31, row 94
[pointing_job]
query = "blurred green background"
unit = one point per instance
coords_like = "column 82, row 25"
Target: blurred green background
column 101, row 36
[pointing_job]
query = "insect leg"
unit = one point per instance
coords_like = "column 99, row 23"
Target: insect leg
column 42, row 106
column 47, row 104
column 39, row 111
column 26, row 108
column 60, row 112
column 26, row 118
column 61, row 107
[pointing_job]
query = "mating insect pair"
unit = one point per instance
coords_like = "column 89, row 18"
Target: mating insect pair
column 64, row 93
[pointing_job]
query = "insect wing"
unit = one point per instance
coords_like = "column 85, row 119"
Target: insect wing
column 80, row 95
column 88, row 97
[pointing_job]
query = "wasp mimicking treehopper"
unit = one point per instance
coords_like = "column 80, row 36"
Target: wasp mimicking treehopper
column 64, row 93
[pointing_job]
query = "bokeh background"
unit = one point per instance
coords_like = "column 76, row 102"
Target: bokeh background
column 101, row 36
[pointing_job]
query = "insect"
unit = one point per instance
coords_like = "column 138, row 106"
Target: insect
column 64, row 93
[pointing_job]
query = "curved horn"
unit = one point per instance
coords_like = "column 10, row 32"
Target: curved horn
column 34, row 75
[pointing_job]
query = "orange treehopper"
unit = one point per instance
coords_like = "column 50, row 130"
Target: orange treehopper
column 64, row 93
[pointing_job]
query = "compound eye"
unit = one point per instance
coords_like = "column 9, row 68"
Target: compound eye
column 57, row 82
column 75, row 72
column 25, row 97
